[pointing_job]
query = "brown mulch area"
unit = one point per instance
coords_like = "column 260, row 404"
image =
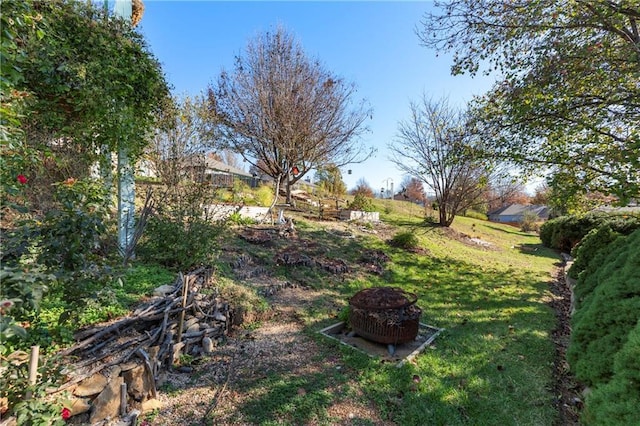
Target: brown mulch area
column 567, row 391
column 213, row 390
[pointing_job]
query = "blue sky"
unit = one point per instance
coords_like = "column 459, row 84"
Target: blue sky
column 372, row 44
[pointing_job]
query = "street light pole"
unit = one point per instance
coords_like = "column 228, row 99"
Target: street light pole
column 389, row 184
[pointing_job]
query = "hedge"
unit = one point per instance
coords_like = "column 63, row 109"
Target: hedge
column 563, row 233
column 606, row 314
column 618, row 401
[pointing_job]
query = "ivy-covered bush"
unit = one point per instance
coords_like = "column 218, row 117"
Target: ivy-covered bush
column 607, row 314
column 616, row 403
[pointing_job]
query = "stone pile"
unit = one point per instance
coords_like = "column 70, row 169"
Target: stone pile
column 114, row 368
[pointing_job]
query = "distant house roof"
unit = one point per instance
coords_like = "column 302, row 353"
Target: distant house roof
column 215, row 165
column 514, row 212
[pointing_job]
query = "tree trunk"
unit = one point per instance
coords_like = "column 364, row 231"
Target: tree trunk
column 443, row 216
column 288, row 189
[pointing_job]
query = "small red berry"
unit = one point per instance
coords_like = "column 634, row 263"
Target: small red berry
column 22, row 179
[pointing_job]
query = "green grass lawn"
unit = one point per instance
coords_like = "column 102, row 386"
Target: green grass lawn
column 491, row 366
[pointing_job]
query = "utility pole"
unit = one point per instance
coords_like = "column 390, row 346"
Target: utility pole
column 126, row 184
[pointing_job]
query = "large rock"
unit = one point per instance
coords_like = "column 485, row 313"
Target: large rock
column 207, row 345
column 150, row 405
column 138, row 382
column 79, row 406
column 163, row 290
column 107, row 404
column 193, row 328
column 91, row 385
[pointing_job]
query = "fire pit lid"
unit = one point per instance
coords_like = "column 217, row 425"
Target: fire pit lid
column 382, row 298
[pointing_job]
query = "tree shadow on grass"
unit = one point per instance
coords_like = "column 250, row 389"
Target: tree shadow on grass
column 495, row 354
column 491, row 366
column 515, row 231
column 538, row 250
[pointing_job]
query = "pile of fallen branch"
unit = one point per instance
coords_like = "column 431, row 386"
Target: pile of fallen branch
column 179, row 319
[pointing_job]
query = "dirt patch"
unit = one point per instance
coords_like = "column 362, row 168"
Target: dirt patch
column 468, row 240
column 212, row 391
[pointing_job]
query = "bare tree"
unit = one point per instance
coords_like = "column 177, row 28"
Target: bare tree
column 177, row 148
column 286, row 114
column 504, row 189
column 435, row 146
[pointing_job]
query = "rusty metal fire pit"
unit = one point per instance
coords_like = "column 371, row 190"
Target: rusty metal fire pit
column 387, row 315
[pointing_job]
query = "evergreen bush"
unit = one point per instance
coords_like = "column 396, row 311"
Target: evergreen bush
column 588, row 280
column 618, row 401
column 597, row 239
column 563, row 233
column 606, row 315
column 362, row 203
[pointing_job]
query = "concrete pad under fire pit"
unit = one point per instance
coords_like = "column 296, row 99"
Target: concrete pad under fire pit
column 401, row 353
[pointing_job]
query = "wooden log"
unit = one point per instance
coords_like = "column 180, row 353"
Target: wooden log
column 166, row 348
column 123, row 399
column 185, row 293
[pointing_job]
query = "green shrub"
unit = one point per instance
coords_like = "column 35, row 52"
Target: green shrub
column 597, row 239
column 177, row 244
column 71, row 234
column 564, row 232
column 405, row 240
column 530, row 222
column 362, row 203
column 588, row 279
column 180, row 234
column 606, row 315
column 237, row 219
column 263, row 195
column 617, row 402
